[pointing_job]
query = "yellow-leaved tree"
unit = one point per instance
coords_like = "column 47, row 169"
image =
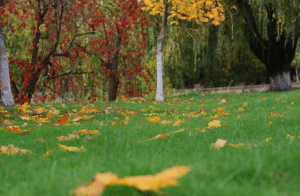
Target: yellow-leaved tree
column 199, row 11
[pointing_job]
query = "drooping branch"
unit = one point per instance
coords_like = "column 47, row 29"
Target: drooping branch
column 71, row 73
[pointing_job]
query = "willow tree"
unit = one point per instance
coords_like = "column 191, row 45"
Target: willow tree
column 272, row 29
column 199, row 11
column 6, row 95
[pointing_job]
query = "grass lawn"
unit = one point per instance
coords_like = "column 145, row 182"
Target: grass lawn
column 257, row 159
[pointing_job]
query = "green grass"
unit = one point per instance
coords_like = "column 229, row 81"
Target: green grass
column 270, row 168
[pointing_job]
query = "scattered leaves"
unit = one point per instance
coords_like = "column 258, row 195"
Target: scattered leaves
column 10, row 149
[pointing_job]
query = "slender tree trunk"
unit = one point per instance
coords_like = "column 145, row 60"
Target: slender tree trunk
column 6, row 96
column 296, row 69
column 159, row 58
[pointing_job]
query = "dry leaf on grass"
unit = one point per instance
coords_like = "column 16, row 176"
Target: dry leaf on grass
column 155, row 182
column 69, row 137
column 213, row 124
column 219, row 144
column 62, row 120
column 10, row 149
column 267, row 140
column 70, row 148
column 17, row 129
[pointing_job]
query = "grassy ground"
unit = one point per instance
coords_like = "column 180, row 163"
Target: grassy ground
column 264, row 163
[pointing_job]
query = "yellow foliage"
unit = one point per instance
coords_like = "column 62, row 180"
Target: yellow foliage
column 197, row 10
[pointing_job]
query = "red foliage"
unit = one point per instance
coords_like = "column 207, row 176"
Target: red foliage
column 63, row 41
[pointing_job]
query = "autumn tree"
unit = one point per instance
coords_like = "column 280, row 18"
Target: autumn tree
column 199, row 11
column 6, row 95
column 272, row 29
column 120, row 39
column 54, row 29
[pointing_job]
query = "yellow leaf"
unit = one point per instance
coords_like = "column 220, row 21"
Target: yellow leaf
column 47, row 153
column 277, row 98
column 10, row 149
column 84, row 117
column 83, row 110
column 289, row 136
column 25, row 118
column 69, row 137
column 154, row 119
column 267, row 140
column 236, row 145
column 245, row 104
column 224, row 100
column 88, row 132
column 155, row 183
column 39, row 110
column 214, row 123
column 219, row 144
column 70, row 148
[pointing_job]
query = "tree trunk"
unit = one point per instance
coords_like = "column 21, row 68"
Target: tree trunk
column 113, row 87
column 159, row 57
column 281, row 82
column 6, row 96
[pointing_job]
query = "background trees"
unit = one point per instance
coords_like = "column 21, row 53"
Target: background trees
column 272, row 31
column 102, row 49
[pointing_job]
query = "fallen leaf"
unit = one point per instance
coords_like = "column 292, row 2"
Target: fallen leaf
column 214, row 123
column 88, row 132
column 6, row 123
column 69, row 137
column 62, row 120
column 236, row 145
column 70, row 148
column 17, row 129
column 224, row 100
column 154, row 119
column 47, row 153
column 159, row 136
column 267, row 140
column 219, row 144
column 10, row 149
column 100, row 181
column 269, row 123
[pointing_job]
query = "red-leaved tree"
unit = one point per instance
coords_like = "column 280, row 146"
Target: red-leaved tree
column 120, row 40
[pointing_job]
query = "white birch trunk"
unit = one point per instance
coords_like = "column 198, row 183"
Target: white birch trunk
column 159, row 57
column 159, row 77
column 6, row 96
